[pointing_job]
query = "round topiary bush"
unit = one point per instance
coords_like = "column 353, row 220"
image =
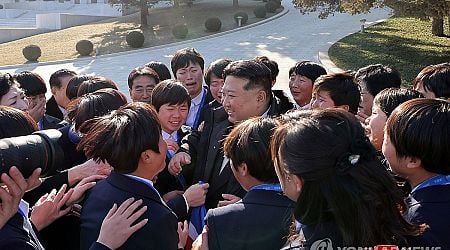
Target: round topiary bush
column 271, row 6
column 213, row 24
column 180, row 31
column 31, row 52
column 1, row 6
column 84, row 47
column 242, row 14
column 260, row 11
column 135, row 39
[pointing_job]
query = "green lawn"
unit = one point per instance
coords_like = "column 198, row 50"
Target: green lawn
column 405, row 43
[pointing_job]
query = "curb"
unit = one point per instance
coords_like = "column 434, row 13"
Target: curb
column 278, row 15
column 324, row 58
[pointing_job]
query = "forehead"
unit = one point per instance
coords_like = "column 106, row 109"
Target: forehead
column 191, row 65
column 233, row 83
column 143, row 80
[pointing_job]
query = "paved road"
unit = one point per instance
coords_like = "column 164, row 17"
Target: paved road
column 287, row 39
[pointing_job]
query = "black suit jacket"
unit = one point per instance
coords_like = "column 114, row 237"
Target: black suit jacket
column 159, row 233
column 205, row 149
column 52, row 109
column 263, row 217
column 14, row 236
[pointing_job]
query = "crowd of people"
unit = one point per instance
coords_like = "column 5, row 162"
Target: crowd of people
column 214, row 158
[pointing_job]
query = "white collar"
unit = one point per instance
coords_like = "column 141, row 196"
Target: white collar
column 140, row 178
column 198, row 99
column 166, row 135
column 266, row 114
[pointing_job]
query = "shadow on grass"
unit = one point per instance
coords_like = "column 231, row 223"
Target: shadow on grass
column 408, row 55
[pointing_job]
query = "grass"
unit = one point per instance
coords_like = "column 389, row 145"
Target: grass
column 108, row 35
column 405, row 43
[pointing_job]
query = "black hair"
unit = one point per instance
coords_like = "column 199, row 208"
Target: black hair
column 271, row 64
column 216, row 68
column 95, row 83
column 15, row 122
column 183, row 57
column 249, row 143
column 55, row 80
column 342, row 89
column 161, row 69
column 435, row 78
column 142, row 71
column 74, row 83
column 257, row 74
column 171, row 92
column 6, row 81
column 388, row 99
column 341, row 177
column 98, row 103
column 308, row 69
column 377, row 77
column 420, row 128
column 31, row 83
column 123, row 135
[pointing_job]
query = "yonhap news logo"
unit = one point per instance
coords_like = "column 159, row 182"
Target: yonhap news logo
column 327, row 244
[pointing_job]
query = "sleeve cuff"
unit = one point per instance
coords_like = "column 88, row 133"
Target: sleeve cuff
column 187, row 205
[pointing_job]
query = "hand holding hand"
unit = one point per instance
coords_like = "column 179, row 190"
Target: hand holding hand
column 116, row 227
column 177, row 162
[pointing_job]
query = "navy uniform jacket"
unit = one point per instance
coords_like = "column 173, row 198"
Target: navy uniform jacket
column 159, row 233
column 262, row 216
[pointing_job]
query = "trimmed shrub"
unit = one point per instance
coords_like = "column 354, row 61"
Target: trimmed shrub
column 84, row 47
column 260, row 11
column 278, row 2
column 1, row 6
column 213, row 24
column 135, row 39
column 244, row 16
column 31, row 52
column 180, row 31
column 271, row 6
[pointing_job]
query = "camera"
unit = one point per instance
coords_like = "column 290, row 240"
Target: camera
column 38, row 150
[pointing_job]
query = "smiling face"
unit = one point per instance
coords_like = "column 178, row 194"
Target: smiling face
column 141, row 90
column 172, row 117
column 191, row 77
column 15, row 98
column 60, row 93
column 241, row 104
column 376, row 122
column 301, row 89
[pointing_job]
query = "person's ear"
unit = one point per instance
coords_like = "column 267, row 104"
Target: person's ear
column 298, row 181
column 413, row 162
column 53, row 90
column 146, row 156
column 261, row 96
column 344, row 107
column 242, row 169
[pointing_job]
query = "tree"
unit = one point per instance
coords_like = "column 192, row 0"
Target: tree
column 143, row 6
column 437, row 10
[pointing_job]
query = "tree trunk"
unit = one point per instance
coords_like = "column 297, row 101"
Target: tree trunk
column 235, row 3
column 448, row 19
column 437, row 26
column 144, row 14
